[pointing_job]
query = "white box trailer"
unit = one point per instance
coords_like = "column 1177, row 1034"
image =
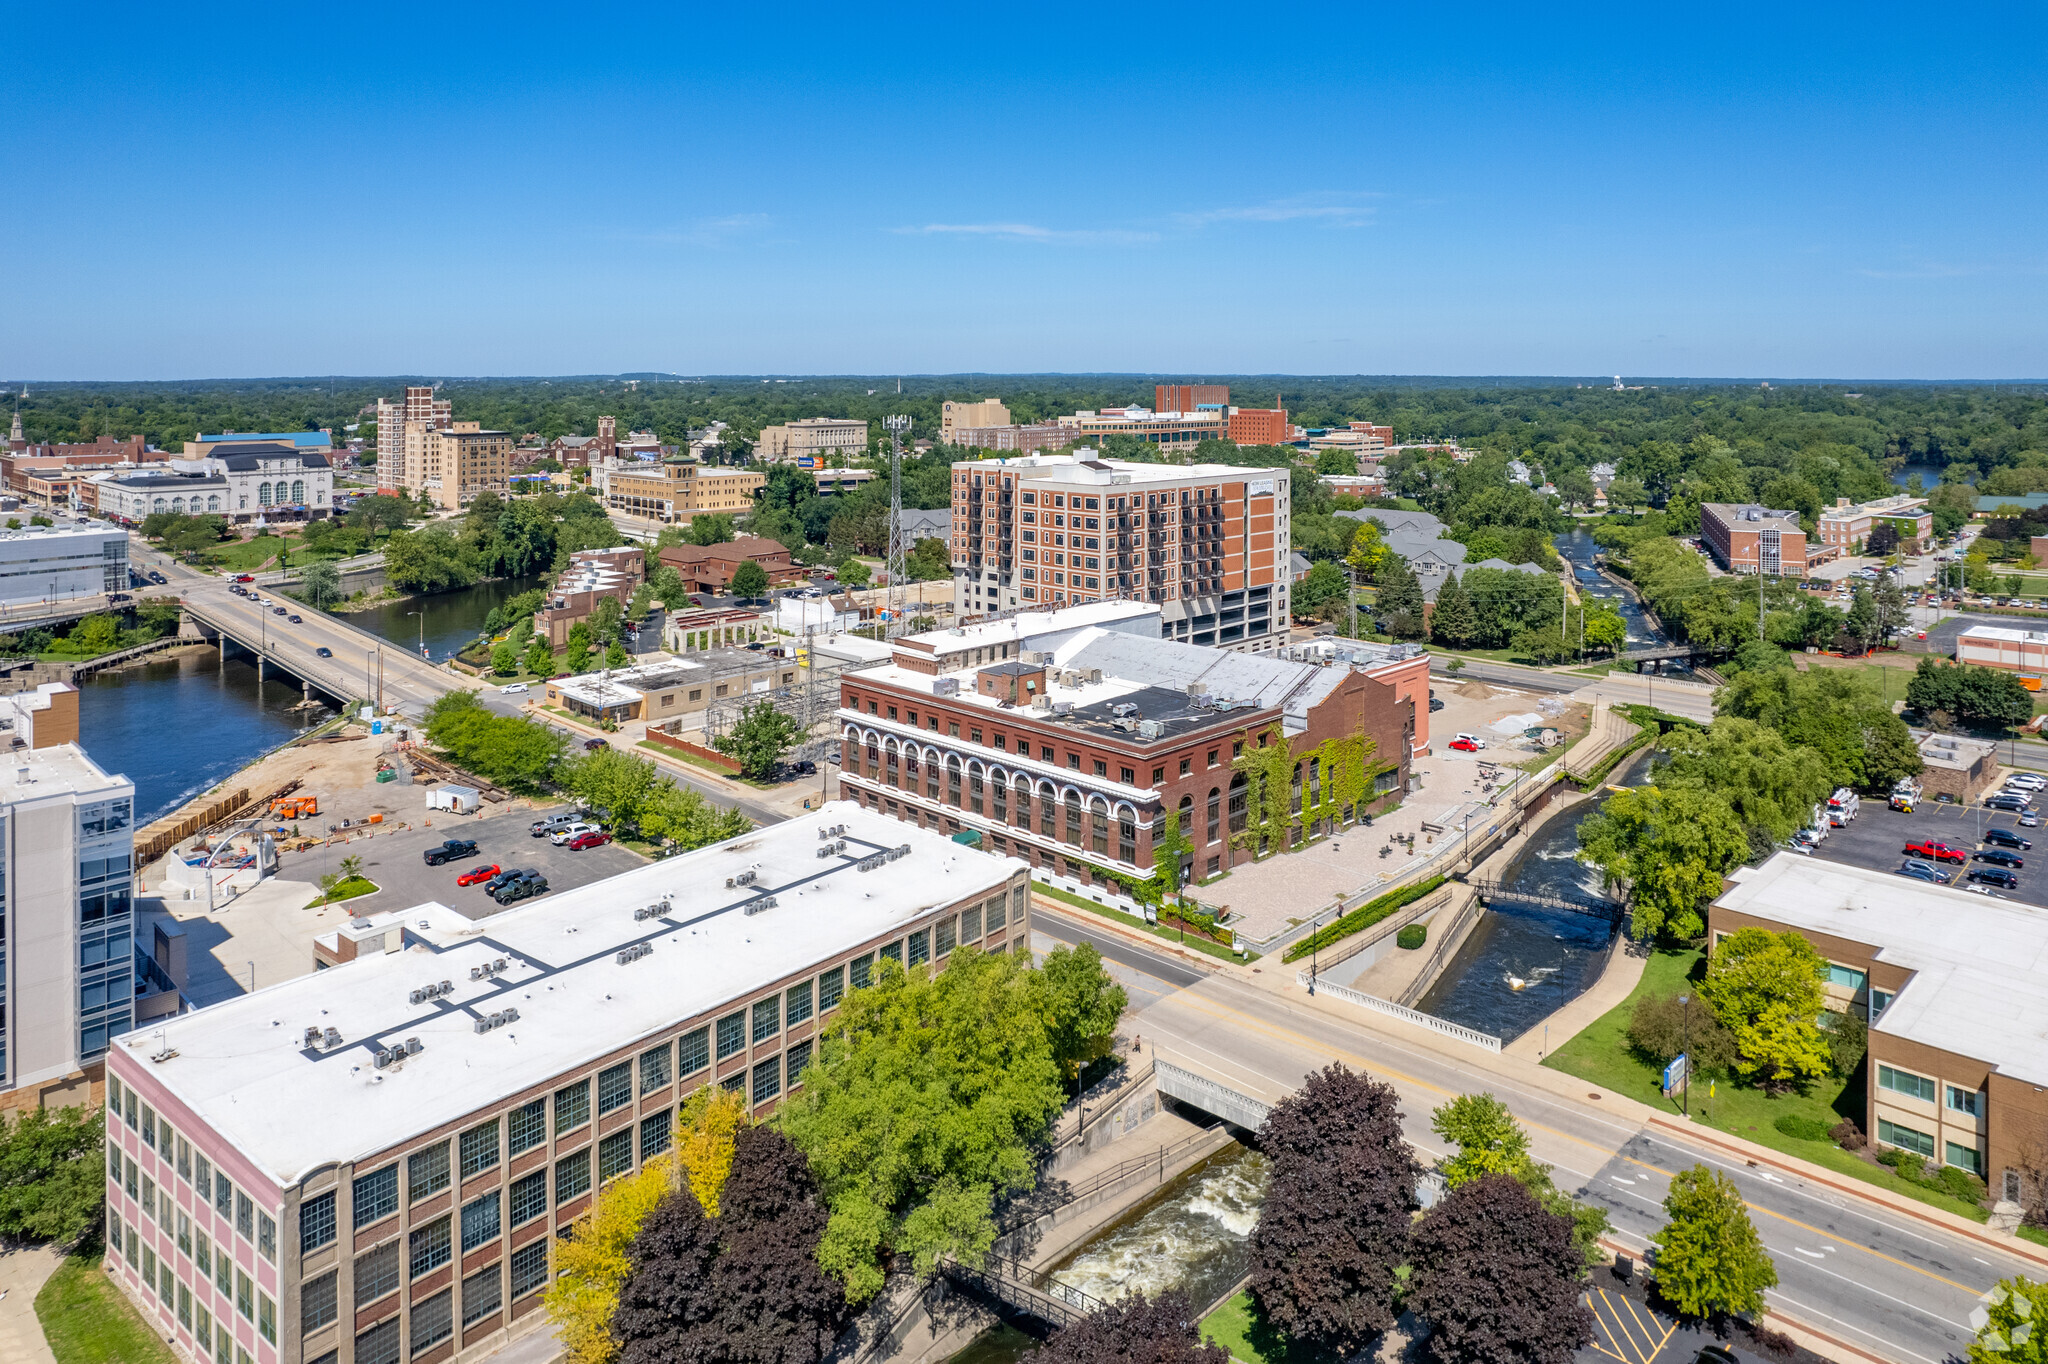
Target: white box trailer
column 462, row 800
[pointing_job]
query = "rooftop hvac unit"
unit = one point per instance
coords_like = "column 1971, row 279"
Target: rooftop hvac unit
column 1123, row 708
column 1041, row 702
column 1148, row 729
column 646, row 912
column 413, row 1047
column 1095, row 674
column 833, row 832
column 745, row 878
column 635, row 952
column 945, row 686
column 1063, row 708
column 766, row 902
column 332, row 1039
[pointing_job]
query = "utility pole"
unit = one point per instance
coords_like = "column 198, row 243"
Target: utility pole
column 899, row 549
column 1351, row 596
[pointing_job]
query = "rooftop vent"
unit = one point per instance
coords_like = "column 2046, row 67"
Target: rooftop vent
column 484, row 1023
column 635, row 952
column 487, row 970
column 745, row 878
column 832, row 849
column 766, row 902
column 430, row 992
column 654, row 911
column 832, row 831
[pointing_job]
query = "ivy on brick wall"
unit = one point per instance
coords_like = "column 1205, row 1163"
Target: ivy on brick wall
column 1346, row 767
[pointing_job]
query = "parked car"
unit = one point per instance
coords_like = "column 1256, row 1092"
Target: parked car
column 596, row 838
column 1434, row 703
column 1999, row 857
column 324, row 652
column 549, row 823
column 2006, row 838
column 804, row 768
column 476, row 876
column 1995, row 876
column 1466, row 743
column 503, row 878
column 451, row 850
column 526, row 886
column 2006, row 800
column 592, row 745
column 512, row 689
column 2025, row 781
column 1937, row 851
column 2030, row 819
column 1923, row 871
column 569, row 831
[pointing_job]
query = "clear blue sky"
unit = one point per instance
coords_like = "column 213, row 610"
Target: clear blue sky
column 1778, row 191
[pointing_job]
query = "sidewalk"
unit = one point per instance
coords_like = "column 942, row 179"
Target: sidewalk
column 1624, row 969
column 24, row 1269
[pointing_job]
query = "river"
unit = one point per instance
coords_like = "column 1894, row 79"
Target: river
column 1578, row 548
column 177, row 726
column 1192, row 1235
column 1521, row 965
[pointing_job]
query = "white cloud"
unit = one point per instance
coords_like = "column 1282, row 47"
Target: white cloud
column 1329, row 210
column 1032, row 232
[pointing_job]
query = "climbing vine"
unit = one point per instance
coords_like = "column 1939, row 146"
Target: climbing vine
column 1167, row 850
column 1345, row 770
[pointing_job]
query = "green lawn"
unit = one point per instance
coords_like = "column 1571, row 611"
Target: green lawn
column 1601, row 1054
column 1194, row 940
column 349, row 889
column 88, row 1321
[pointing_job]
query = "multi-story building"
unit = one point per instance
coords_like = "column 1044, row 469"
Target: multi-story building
column 1190, row 397
column 305, row 442
column 372, row 1162
column 1038, row 436
column 68, row 967
column 1997, row 646
column 677, row 489
column 401, row 432
column 954, row 415
column 244, row 482
column 1844, row 527
column 1067, row 737
column 662, row 691
column 1262, row 426
column 592, row 576
column 812, row 436
column 451, row 464
column 709, row 568
column 1952, row 988
column 61, row 563
column 1207, row 543
column 1362, row 438
column 1176, row 429
column 1748, row 538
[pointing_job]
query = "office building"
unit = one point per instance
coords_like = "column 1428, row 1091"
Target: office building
column 954, row 415
column 1207, row 543
column 1037, row 436
column 1845, row 527
column 811, row 438
column 1173, row 429
column 662, row 691
column 1952, row 986
column 245, row 482
column 373, row 1162
column 1262, row 426
column 449, row 465
column 675, row 490
column 709, row 568
column 61, row 563
column 401, row 431
column 1748, row 538
column 1997, row 646
column 67, row 924
column 1067, row 737
column 1190, row 397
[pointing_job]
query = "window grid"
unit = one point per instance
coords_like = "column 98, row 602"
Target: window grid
column 732, row 1035
column 480, row 1222
column 528, row 1198
column 316, row 1222
column 318, row 1302
column 529, row 1267
column 767, row 1018
column 693, row 1051
column 831, row 986
column 482, row 1294
column 767, row 1079
column 375, row 1195
column 656, row 1068
column 572, row 1107
column 797, row 1004
column 527, row 1127
column 795, row 1059
column 656, row 1132
column 572, row 1176
column 615, row 1155
column 429, row 1247
column 479, row 1149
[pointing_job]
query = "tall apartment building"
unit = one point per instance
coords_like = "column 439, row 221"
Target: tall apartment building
column 394, row 421
column 1844, row 527
column 1067, row 737
column 452, row 464
column 1206, row 543
column 955, row 415
column 676, row 490
column 373, row 1162
column 1751, row 539
column 793, row 442
column 1189, row 397
column 68, row 965
column 61, row 563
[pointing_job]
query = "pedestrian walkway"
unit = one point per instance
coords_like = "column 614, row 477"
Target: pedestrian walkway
column 24, row 1269
column 1625, row 962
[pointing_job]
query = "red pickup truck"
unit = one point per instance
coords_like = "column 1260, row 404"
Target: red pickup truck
column 1937, row 851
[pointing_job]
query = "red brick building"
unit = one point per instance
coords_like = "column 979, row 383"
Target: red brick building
column 709, row 568
column 1748, row 538
column 592, row 576
column 1189, row 397
column 1261, row 426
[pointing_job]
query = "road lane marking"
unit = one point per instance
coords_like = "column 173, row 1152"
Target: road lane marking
column 1884, row 1341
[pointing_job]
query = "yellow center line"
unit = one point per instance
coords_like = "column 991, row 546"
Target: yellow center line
column 1224, row 1013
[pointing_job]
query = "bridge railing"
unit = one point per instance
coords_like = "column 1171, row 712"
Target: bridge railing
column 1210, row 1096
column 1484, row 1040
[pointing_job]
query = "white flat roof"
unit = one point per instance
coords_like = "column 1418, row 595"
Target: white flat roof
column 2000, row 632
column 242, row 1067
column 1980, row 983
column 980, row 634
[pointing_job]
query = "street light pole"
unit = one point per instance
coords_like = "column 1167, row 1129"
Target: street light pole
column 1685, row 1042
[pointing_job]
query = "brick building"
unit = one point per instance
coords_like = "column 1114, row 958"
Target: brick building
column 1038, row 436
column 1743, row 537
column 1996, row 646
column 1066, row 737
column 1189, row 397
column 372, row 1162
column 1207, row 543
column 1261, row 426
column 1845, row 527
column 418, row 412
column 1952, row 987
column 592, row 576
column 709, row 568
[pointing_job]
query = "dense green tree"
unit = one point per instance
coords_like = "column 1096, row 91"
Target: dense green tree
column 1710, row 1262
column 1769, row 784
column 1489, row 1141
column 679, row 816
column 430, row 559
column 759, row 739
column 749, row 580
column 1400, row 599
column 505, row 659
column 52, row 1173
column 1768, row 989
column 1325, row 586
column 931, row 560
column 1969, row 694
column 1834, row 711
column 507, row 749
column 1455, row 622
column 1669, row 849
column 320, row 585
column 2015, row 1329
column 854, row 573
column 540, row 659
column 611, row 780
column 710, row 528
column 1083, row 1004
column 1496, row 1277
column 381, row 512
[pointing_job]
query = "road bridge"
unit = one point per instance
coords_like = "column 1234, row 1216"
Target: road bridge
column 358, row 665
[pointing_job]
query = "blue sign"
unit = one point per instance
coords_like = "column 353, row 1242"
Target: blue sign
column 1675, row 1073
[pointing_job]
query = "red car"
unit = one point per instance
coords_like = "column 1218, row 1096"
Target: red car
column 1465, row 745
column 596, row 838
column 245, row 578
column 1939, row 852
column 476, row 876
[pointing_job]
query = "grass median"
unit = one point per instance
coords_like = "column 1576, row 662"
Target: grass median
column 1194, row 940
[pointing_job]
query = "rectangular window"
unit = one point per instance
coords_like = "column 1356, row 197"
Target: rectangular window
column 1880, row 1000
column 831, row 986
column 529, row 1267
column 767, row 1079
column 317, row 1302
column 184, row 1160
column 655, row 1134
column 130, row 1100
column 1906, row 1083
column 1964, row 1157
column 149, row 1126
column 1962, row 1100
column 266, row 1318
column 184, row 1307
column 245, row 1215
column 202, row 1249
column 185, row 1235
column 224, row 1195
column 767, row 1017
column 893, row 951
column 433, row 1321
column 797, row 1004
column 482, row 1294
column 970, row 924
column 946, row 929
column 166, row 1283
column 266, row 1237
column 614, row 1087
column 1905, row 1138
column 615, row 1155
column 149, row 1198
column 202, row 1178
column 572, row 1107
column 656, row 1068
column 572, row 1176
column 429, row 1247
column 920, row 946
column 794, row 1061
column 376, row 1195
column 148, row 1268
column 245, row 1296
column 479, row 1222
column 860, row 970
column 528, row 1198
column 479, row 1149
column 735, row 1082
column 732, row 1035
column 1843, row 977
column 223, row 1272
column 693, row 1051
column 202, row 1331
column 527, row 1127
column 995, row 914
column 316, row 1222
column 378, row 1345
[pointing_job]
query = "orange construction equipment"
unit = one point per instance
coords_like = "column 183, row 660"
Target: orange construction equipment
column 295, row 807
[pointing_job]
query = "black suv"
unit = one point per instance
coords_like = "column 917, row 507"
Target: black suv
column 1995, row 876
column 1999, row 857
column 450, row 851
column 2006, row 838
column 524, row 885
column 505, row 878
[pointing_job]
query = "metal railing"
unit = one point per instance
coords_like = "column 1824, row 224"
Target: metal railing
column 1122, row 1172
column 1445, row 942
column 1483, row 1040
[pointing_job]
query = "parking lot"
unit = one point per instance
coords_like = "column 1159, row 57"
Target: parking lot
column 1878, row 836
column 396, row 864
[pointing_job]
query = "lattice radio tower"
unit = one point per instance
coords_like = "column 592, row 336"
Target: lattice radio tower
column 899, row 543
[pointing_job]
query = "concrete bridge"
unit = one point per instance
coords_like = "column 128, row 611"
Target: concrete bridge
column 1495, row 893
column 357, row 665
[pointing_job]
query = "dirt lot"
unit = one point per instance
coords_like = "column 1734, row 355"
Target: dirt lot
column 1877, row 838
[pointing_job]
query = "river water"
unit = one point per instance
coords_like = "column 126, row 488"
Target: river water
column 176, row 726
column 1520, row 965
column 1577, row 548
column 1192, row 1235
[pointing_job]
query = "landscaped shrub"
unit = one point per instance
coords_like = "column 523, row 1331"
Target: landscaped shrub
column 1412, row 937
column 1365, row 916
column 1847, row 1135
column 1848, row 1037
column 1957, row 1184
column 1801, row 1129
column 1659, row 1028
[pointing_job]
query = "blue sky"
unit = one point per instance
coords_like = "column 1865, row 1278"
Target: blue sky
column 1774, row 191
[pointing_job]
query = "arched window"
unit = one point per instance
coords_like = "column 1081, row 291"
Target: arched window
column 159, row 505
column 298, row 492
column 1098, row 825
column 1126, row 835
column 263, row 494
column 1215, row 814
column 1047, row 798
column 953, row 782
column 177, row 504
column 213, row 503
column 1073, row 818
column 999, row 795
column 1023, row 802
column 974, row 785
column 894, row 776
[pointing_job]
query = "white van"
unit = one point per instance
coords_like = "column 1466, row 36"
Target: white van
column 1843, row 806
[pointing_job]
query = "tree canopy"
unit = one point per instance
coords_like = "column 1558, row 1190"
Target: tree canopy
column 1669, row 849
column 1710, row 1261
column 52, row 1182
column 1133, row 1330
column 1496, row 1277
column 1768, row 989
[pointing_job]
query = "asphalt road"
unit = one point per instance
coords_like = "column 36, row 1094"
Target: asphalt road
column 1168, row 971
column 408, row 682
